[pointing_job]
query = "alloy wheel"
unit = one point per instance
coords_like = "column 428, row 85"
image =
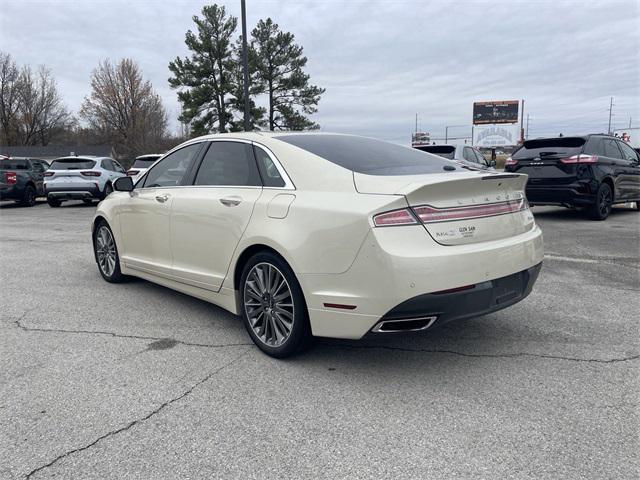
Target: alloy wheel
column 604, row 202
column 106, row 251
column 268, row 303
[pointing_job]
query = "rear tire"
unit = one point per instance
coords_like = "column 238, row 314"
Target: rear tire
column 601, row 209
column 53, row 202
column 273, row 308
column 108, row 190
column 29, row 197
column 637, row 206
column 106, row 254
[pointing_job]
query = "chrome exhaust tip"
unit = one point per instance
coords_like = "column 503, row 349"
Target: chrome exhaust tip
column 404, row 325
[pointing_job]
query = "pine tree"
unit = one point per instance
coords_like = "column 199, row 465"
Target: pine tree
column 279, row 63
column 207, row 80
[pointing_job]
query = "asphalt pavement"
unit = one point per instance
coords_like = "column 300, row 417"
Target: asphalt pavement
column 137, row 381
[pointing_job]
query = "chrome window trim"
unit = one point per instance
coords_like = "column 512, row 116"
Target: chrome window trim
column 288, row 184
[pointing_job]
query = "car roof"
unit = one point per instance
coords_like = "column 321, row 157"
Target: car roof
column 83, row 157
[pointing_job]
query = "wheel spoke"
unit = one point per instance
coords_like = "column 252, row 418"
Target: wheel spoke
column 268, row 304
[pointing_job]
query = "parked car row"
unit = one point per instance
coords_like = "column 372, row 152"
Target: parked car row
column 86, row 178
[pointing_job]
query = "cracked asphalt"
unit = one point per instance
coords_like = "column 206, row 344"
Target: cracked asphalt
column 137, row 381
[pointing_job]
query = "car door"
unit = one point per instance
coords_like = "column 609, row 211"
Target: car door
column 617, row 167
column 209, row 218
column 632, row 170
column 38, row 169
column 144, row 215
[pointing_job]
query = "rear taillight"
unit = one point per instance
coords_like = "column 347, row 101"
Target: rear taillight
column 580, row 159
column 10, row 178
column 132, row 173
column 510, row 161
column 49, row 174
column 91, row 174
column 428, row 214
column 395, row 217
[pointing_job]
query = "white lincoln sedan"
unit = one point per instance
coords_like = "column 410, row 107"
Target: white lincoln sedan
column 311, row 234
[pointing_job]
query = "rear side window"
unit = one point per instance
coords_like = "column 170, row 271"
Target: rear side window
column 14, row 164
column 366, row 155
column 444, row 151
column 228, row 163
column 72, row 164
column 268, row 170
column 561, row 146
column 173, row 168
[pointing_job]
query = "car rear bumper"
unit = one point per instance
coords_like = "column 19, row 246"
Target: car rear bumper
column 73, row 193
column 11, row 192
column 398, row 271
column 572, row 194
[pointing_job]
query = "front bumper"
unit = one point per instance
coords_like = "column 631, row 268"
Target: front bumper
column 74, row 193
column 397, row 270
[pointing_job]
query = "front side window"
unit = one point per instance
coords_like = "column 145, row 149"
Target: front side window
column 173, row 168
column 480, row 157
column 611, row 150
column 268, row 170
column 627, row 152
column 469, row 156
column 228, row 163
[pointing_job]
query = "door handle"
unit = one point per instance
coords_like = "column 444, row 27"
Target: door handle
column 231, row 201
column 162, row 198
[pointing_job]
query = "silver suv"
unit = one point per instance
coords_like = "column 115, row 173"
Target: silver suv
column 83, row 178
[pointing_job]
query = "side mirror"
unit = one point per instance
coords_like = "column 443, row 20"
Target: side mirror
column 123, row 184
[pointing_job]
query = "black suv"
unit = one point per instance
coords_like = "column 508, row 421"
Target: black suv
column 593, row 172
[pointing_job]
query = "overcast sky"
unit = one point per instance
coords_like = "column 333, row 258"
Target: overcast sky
column 381, row 62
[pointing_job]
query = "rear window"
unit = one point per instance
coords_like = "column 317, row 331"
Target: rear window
column 144, row 162
column 565, row 146
column 72, row 164
column 9, row 164
column 366, row 155
column 445, row 151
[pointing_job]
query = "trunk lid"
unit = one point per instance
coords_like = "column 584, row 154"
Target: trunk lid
column 463, row 207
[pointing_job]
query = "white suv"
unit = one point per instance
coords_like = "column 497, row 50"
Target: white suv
column 80, row 178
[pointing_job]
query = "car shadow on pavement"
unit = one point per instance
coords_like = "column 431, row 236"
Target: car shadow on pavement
column 563, row 213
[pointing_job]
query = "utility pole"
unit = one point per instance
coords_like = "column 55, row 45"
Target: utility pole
column 245, row 68
column 521, row 121
column 416, row 122
column 629, row 121
column 610, row 113
column 526, row 135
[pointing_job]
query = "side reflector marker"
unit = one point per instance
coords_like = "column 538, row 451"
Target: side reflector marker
column 340, row 305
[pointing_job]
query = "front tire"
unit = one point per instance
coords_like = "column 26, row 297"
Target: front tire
column 273, row 308
column 604, row 202
column 54, row 203
column 106, row 253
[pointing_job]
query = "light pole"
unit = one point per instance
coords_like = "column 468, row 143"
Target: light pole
column 446, row 131
column 245, row 68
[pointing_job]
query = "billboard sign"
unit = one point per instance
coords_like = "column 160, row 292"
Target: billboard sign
column 496, row 135
column 495, row 112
